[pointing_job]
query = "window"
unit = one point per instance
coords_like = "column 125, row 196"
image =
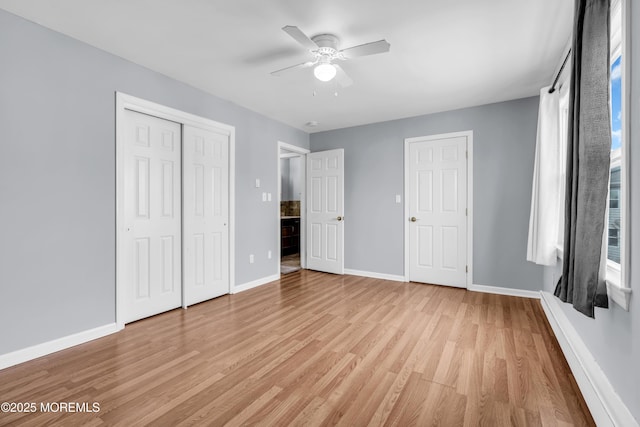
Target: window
column 615, row 239
column 614, row 214
column 616, row 218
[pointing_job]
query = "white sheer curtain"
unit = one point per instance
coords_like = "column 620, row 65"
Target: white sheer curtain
column 545, row 198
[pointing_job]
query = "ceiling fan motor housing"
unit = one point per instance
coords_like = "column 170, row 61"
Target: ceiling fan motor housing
column 327, row 45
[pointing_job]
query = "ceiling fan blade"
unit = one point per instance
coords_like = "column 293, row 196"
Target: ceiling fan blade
column 342, row 77
column 300, row 37
column 292, row 68
column 372, row 48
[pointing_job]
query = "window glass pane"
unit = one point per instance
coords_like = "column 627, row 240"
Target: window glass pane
column 614, row 224
column 613, row 250
column 614, row 193
column 616, row 104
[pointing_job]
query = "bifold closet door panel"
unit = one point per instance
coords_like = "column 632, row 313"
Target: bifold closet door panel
column 152, row 205
column 205, row 214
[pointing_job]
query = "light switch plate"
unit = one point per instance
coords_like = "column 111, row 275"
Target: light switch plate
column 398, row 198
column 269, row 197
column 257, row 183
column 264, row 197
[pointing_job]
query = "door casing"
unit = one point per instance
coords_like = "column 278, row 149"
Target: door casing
column 407, row 246
column 128, row 102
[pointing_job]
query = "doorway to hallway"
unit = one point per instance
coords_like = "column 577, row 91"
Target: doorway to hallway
column 291, row 198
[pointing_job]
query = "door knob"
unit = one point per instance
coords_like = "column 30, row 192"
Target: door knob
column 340, row 218
column 413, row 219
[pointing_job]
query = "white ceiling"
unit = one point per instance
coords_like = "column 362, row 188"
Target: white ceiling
column 444, row 54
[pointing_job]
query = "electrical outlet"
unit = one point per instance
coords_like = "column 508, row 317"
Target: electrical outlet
column 251, row 259
column 269, row 254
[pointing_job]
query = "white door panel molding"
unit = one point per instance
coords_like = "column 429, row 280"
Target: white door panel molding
column 325, row 211
column 437, row 200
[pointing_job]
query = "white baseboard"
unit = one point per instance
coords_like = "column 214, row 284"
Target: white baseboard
column 504, row 291
column 604, row 403
column 255, row 283
column 39, row 350
column 373, row 275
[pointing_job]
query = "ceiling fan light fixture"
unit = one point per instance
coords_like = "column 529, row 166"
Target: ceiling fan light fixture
column 324, row 72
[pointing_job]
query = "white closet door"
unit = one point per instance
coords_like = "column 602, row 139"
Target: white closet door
column 325, row 211
column 152, row 204
column 437, row 211
column 206, row 214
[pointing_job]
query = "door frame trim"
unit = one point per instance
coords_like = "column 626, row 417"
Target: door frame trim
column 127, row 102
column 407, row 141
column 302, row 153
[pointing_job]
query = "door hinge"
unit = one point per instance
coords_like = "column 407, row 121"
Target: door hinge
column 466, row 154
column 466, row 268
column 466, row 211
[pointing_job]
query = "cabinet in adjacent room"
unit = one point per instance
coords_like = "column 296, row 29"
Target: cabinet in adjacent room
column 290, row 235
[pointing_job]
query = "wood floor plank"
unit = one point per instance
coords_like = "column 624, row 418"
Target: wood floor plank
column 315, row 349
column 406, row 408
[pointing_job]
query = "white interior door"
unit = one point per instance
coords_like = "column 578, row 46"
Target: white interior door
column 325, row 211
column 206, row 214
column 152, row 200
column 438, row 211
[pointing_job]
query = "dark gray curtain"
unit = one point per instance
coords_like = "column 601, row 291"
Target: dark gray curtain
column 588, row 158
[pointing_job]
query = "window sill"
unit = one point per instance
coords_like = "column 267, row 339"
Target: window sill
column 618, row 294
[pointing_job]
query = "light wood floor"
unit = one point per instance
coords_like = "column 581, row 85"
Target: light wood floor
column 290, row 263
column 316, row 349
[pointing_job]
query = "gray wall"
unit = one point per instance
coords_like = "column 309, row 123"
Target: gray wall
column 291, row 178
column 295, row 178
column 285, row 180
column 614, row 335
column 503, row 149
column 57, row 179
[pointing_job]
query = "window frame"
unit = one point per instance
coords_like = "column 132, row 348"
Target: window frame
column 616, row 274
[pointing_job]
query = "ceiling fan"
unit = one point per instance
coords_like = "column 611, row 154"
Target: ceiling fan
column 324, row 48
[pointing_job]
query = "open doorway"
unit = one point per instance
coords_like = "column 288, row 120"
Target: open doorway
column 291, row 171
